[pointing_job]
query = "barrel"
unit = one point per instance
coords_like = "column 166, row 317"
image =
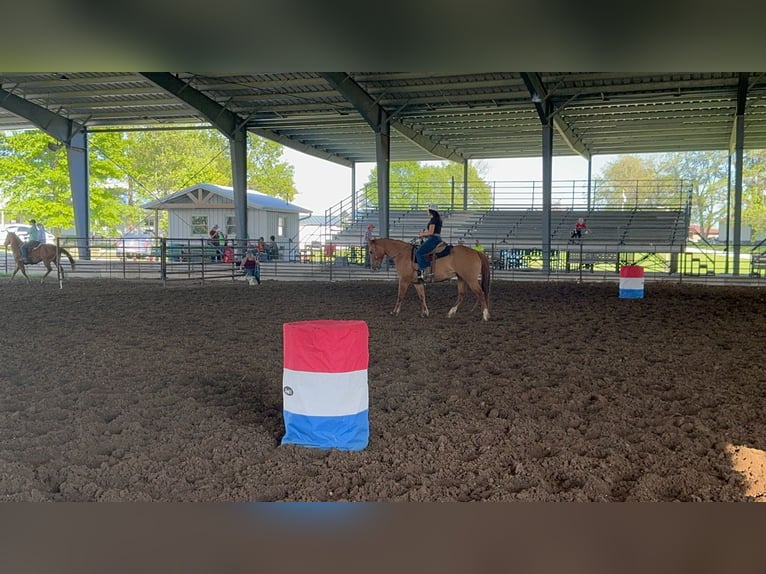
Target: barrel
column 324, row 384
column 631, row 282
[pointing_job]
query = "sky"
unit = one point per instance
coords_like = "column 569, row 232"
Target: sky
column 322, row 184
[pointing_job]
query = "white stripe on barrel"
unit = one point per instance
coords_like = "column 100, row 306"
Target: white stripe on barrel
column 324, row 384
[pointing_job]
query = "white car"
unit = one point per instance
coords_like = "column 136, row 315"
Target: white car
column 22, row 230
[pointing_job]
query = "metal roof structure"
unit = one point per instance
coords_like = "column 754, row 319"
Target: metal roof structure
column 431, row 115
column 188, row 196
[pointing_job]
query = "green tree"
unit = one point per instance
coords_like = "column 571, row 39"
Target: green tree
column 709, row 172
column 414, row 185
column 162, row 162
column 34, row 181
column 622, row 182
column 754, row 192
column 667, row 180
column 126, row 170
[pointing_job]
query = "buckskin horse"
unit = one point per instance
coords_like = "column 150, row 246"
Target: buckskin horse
column 462, row 262
column 45, row 252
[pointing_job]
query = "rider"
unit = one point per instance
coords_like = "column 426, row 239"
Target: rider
column 33, row 240
column 432, row 235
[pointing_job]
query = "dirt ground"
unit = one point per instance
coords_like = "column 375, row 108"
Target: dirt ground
column 113, row 391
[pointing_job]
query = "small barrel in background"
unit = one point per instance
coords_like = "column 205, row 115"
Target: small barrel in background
column 324, row 386
column 631, row 282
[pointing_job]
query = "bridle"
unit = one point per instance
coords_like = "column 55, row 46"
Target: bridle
column 395, row 254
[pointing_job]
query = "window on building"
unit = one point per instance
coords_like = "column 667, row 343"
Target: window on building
column 231, row 226
column 281, row 224
column 199, row 225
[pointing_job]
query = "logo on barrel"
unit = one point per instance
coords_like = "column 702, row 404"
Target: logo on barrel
column 288, row 391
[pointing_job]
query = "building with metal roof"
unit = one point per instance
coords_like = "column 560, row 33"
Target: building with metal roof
column 192, row 211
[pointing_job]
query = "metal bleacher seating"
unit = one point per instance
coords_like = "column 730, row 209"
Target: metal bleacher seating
column 611, row 231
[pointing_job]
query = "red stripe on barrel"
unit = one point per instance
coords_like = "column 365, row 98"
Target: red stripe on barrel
column 631, row 271
column 326, row 346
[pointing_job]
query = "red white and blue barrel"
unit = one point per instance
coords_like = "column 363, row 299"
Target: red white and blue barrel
column 631, row 282
column 324, row 384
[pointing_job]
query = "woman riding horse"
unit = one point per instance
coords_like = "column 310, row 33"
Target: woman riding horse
column 463, row 262
column 46, row 252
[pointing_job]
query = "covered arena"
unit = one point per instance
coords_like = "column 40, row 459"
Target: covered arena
column 351, row 117
column 133, row 392
column 122, row 390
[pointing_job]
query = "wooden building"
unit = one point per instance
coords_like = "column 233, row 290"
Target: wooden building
column 194, row 210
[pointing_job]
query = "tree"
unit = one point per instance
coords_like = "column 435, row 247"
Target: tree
column 34, row 182
column 668, row 180
column 415, row 185
column 127, row 170
column 754, row 192
column 622, row 182
column 709, row 171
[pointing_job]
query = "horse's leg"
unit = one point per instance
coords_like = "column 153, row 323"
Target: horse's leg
column 403, row 287
column 460, row 297
column 473, row 284
column 20, row 267
column 421, row 291
column 49, row 269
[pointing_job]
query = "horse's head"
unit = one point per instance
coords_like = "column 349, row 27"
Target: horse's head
column 377, row 253
column 9, row 237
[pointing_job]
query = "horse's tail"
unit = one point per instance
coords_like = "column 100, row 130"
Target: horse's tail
column 65, row 252
column 485, row 275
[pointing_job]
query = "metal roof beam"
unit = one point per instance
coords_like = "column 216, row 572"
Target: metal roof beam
column 225, row 120
column 539, row 94
column 56, row 126
column 740, row 113
column 372, row 114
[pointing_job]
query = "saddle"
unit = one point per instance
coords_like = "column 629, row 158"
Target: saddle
column 442, row 249
column 28, row 260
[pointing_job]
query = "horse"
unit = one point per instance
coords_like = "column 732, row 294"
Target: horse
column 465, row 263
column 45, row 252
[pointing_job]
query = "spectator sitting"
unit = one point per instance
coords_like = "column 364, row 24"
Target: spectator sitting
column 478, row 247
column 261, row 249
column 578, row 230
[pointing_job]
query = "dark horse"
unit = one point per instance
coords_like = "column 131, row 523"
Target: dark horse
column 465, row 263
column 45, row 252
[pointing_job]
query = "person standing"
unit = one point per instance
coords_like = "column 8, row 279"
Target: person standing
column 217, row 240
column 33, row 240
column 432, row 235
column 273, row 249
column 251, row 267
column 366, row 246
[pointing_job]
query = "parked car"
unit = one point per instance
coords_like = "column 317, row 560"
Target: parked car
column 135, row 244
column 22, row 230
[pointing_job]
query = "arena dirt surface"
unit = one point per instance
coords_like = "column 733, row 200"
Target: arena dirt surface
column 115, row 391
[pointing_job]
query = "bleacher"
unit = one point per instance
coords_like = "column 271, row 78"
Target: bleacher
column 618, row 231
